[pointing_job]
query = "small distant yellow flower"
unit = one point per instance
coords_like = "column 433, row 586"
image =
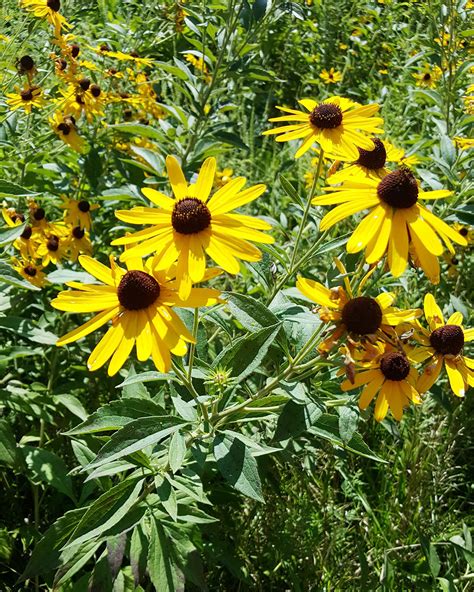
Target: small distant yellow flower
column 199, row 64
column 78, row 243
column 77, row 212
column 65, row 128
column 123, row 57
column 223, row 177
column 30, row 271
column 26, row 99
column 52, row 249
column 465, row 231
column 464, row 143
column 444, row 342
column 49, row 10
column 343, row 46
column 443, row 39
column 429, row 76
column 331, row 77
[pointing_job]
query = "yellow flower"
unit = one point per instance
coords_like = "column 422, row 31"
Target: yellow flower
column 392, row 376
column 371, row 163
column 223, row 177
column 467, row 232
column 77, row 212
column 83, row 96
column 362, row 317
column 444, row 342
column 139, row 303
column 123, row 57
column 65, row 127
column 26, row 99
column 52, row 249
column 199, row 64
column 429, row 76
column 184, row 229
column 338, row 125
column 397, row 220
column 49, row 10
column 464, row 143
column 331, row 77
column 78, row 243
column 30, row 271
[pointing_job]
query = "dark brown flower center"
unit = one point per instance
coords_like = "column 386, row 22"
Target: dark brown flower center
column 362, row 315
column 79, row 100
column 75, row 50
column 395, row 366
column 373, row 159
column 326, row 116
column 39, row 214
column 62, row 64
column 84, row 83
column 54, row 5
column 95, row 90
column 26, row 234
column 137, row 290
column 15, row 217
column 463, row 231
column 26, row 63
column 84, row 206
column 448, row 340
column 190, row 215
column 65, row 128
column 53, row 243
column 27, row 95
column 398, row 189
column 427, row 76
column 78, row 232
column 30, row 270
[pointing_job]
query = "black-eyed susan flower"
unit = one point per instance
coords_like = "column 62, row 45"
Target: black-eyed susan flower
column 64, row 127
column 52, row 249
column 139, row 304
column 443, row 343
column 30, row 271
column 26, row 99
column 390, row 374
column 331, row 77
column 82, row 97
column 428, row 77
column 26, row 65
column 184, row 229
column 397, row 221
column 360, row 317
column 49, row 10
column 77, row 212
column 78, row 243
column 371, row 163
column 340, row 126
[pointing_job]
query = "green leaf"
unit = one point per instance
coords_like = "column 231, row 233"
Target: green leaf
column 251, row 314
column 28, row 330
column 115, row 415
column 348, row 419
column 106, row 511
column 8, row 451
column 10, row 234
column 167, row 495
column 160, row 565
column 431, row 555
column 47, row 468
column 237, row 465
column 291, row 191
column 150, row 376
column 8, row 189
column 135, row 436
column 138, row 129
column 259, row 8
column 296, row 419
column 177, row 451
column 138, row 553
column 246, row 354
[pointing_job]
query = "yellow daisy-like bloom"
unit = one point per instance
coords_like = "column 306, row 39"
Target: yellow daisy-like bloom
column 78, row 243
column 65, row 127
column 26, row 99
column 123, row 57
column 467, row 232
column 29, row 239
column 371, row 163
column 392, row 376
column 359, row 316
column 331, row 77
column 223, row 177
column 340, row 126
column 463, row 143
column 397, row 221
column 78, row 212
column 184, row 229
column 444, row 342
column 83, row 97
column 49, row 10
column 139, row 302
column 30, row 271
column 52, row 249
column 428, row 77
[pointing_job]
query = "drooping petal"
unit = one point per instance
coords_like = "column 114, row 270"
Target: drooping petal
column 89, row 327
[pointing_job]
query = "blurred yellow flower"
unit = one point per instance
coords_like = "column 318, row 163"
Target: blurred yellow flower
column 26, row 99
column 65, row 128
column 330, row 77
column 429, row 76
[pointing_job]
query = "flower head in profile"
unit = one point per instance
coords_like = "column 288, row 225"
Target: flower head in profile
column 78, row 242
column 185, row 229
column 31, row 271
column 49, row 10
column 443, row 343
column 138, row 303
column 360, row 317
column 371, row 163
column 397, row 224
column 65, row 128
column 428, row 77
column 330, row 77
column 340, row 126
column 26, row 99
column 28, row 240
column 77, row 212
column 389, row 374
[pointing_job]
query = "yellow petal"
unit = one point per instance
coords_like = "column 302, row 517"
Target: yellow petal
column 89, row 327
column 366, row 229
column 433, row 313
column 345, row 210
column 429, row 376
column 426, row 235
column 124, row 348
column 205, row 178
column 159, row 199
column 176, row 176
column 385, row 299
column 428, row 262
column 360, row 379
column 106, row 347
column 316, row 292
column 398, row 245
column 98, row 270
column 370, row 390
column 197, row 259
column 381, row 406
column 456, row 380
column 224, row 195
column 378, row 245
